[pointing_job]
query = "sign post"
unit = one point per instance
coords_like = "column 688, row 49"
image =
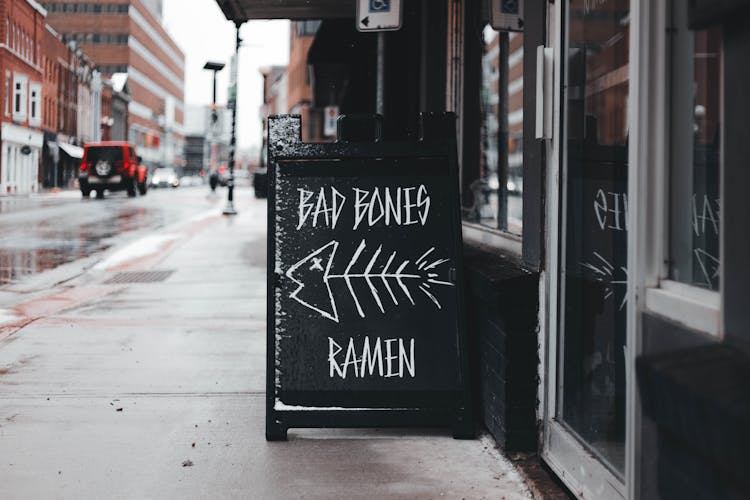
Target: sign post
column 365, row 312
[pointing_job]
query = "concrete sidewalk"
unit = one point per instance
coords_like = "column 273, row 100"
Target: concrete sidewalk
column 156, row 390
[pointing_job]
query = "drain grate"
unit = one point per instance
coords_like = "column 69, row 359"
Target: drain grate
column 139, row 277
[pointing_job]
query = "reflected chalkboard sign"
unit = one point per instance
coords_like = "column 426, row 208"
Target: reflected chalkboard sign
column 365, row 321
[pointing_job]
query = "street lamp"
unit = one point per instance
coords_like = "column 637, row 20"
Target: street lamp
column 215, row 67
column 232, row 104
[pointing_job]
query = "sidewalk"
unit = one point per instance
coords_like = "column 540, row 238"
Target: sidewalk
column 156, row 390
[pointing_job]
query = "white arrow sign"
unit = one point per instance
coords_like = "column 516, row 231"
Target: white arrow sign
column 378, row 15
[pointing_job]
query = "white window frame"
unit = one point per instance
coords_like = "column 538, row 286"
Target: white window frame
column 8, row 93
column 35, row 100
column 691, row 306
column 22, row 82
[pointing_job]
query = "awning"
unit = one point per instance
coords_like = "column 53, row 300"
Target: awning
column 244, row 10
column 71, row 150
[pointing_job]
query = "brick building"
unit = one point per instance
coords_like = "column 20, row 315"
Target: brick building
column 127, row 37
column 299, row 92
column 71, row 108
column 21, row 119
column 275, row 91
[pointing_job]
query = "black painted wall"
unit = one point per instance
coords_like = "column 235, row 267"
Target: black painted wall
column 502, row 301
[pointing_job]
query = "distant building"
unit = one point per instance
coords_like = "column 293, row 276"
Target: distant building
column 127, row 37
column 21, row 119
column 299, row 92
column 274, row 99
column 202, row 137
column 119, row 110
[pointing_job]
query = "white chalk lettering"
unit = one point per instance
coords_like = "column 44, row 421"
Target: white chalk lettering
column 304, row 207
column 389, row 357
column 333, row 350
column 327, row 207
column 401, row 206
column 360, row 206
column 399, row 359
column 392, row 209
column 704, row 213
column 611, row 210
column 403, row 360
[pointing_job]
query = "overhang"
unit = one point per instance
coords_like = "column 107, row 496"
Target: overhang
column 244, row 10
column 71, row 150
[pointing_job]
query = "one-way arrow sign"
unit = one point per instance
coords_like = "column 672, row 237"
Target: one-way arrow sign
column 378, row 15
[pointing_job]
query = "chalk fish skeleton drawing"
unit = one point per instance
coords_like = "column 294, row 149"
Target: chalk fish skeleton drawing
column 313, row 275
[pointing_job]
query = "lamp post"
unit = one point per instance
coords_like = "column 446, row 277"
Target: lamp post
column 232, row 103
column 215, row 67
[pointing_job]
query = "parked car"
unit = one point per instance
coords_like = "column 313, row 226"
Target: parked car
column 190, row 180
column 111, row 165
column 165, row 177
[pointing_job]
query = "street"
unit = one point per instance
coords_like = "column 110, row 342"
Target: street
column 132, row 365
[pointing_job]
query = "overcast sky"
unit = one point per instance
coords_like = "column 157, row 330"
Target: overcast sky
column 203, row 33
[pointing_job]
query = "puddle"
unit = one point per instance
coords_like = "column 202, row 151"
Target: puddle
column 43, row 245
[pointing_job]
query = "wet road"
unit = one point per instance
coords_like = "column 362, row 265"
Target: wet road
column 42, row 232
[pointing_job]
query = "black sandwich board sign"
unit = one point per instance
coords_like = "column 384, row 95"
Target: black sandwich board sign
column 365, row 316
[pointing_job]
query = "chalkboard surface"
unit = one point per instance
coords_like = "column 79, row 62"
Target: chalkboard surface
column 365, row 318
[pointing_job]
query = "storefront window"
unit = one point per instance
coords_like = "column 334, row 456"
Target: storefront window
column 594, row 272
column 496, row 194
column 695, row 153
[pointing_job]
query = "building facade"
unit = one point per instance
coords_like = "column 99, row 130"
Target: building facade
column 22, row 32
column 127, row 37
column 275, row 92
column 299, row 100
column 609, row 326
column 207, row 143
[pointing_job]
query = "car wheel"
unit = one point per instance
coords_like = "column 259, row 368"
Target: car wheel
column 100, row 194
column 142, row 188
column 85, row 192
column 131, row 187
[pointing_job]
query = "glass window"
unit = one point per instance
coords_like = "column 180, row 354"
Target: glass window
column 20, row 84
column 496, row 194
column 35, row 94
column 7, row 94
column 695, row 203
column 594, row 228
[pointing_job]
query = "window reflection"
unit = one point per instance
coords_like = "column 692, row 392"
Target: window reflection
column 592, row 403
column 497, row 192
column 695, row 153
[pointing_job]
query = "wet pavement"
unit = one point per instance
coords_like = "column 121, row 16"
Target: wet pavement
column 43, row 232
column 157, row 389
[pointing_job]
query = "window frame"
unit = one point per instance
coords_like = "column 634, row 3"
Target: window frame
column 22, row 81
column 692, row 306
column 35, row 99
column 8, row 94
column 462, row 92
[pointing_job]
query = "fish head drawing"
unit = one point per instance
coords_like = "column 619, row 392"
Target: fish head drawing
column 310, row 274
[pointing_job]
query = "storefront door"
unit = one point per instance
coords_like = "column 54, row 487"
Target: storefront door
column 585, row 438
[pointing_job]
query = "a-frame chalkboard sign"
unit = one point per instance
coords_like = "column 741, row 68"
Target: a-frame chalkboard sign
column 365, row 313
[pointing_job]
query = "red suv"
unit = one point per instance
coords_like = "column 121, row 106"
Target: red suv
column 111, row 165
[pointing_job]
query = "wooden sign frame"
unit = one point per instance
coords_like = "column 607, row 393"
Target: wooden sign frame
column 425, row 407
